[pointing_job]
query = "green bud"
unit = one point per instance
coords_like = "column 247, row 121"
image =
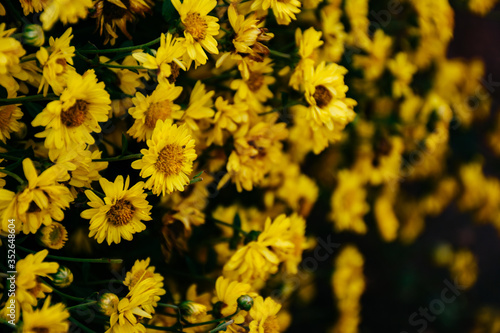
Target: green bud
column 63, row 277
column 245, row 302
column 108, row 303
column 33, row 35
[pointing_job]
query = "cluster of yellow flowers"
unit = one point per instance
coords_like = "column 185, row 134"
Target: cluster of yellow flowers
column 347, row 108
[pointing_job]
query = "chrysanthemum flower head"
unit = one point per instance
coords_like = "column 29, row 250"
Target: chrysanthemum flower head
column 9, row 116
column 54, row 236
column 168, row 160
column 263, row 314
column 82, row 105
column 48, row 318
column 148, row 110
column 199, row 29
column 140, row 271
column 66, row 11
column 228, row 291
column 121, row 212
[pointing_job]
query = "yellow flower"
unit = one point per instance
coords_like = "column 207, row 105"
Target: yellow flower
column 56, row 62
column 357, row 13
column 229, row 117
column 387, row 221
column 66, row 11
column 199, row 29
column 11, row 51
column 128, row 81
column 481, row 7
column 48, row 318
column 349, row 203
column 28, row 283
column 168, row 160
column 284, row 10
column 30, row 6
column 54, row 236
column 228, row 291
column 132, row 308
column 166, row 60
column 40, row 202
column 308, row 43
column 325, row 91
column 9, row 116
column 140, row 271
column 464, row 268
column 82, row 105
column 120, row 214
column 378, row 50
column 333, row 32
column 148, row 110
column 264, row 316
column 348, row 285
column 403, row 70
column 116, row 13
column 199, row 108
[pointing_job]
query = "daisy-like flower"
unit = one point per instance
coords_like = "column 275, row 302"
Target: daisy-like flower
column 308, row 44
column 199, row 29
column 128, row 81
column 56, row 61
column 284, row 10
column 66, row 11
column 54, row 236
column 29, row 286
column 40, row 202
column 30, row 6
column 140, row 271
column 228, row 292
column 9, row 116
column 11, row 50
column 77, row 113
column 349, row 203
column 168, row 160
column 116, row 13
column 166, row 61
column 132, row 308
column 48, row 318
column 121, row 212
column 229, row 117
column 263, row 313
column 325, row 91
column 148, row 110
column 258, row 259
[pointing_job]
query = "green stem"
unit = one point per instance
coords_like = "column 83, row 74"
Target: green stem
column 9, row 157
column 60, row 293
column 244, row 233
column 80, row 325
column 13, row 175
column 32, row 98
column 118, row 158
column 279, row 54
column 95, row 261
column 121, row 66
column 122, row 49
column 81, row 305
column 165, row 305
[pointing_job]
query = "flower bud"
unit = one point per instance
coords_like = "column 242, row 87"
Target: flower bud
column 108, row 303
column 192, row 310
column 245, row 302
column 63, row 277
column 53, row 236
column 33, row 35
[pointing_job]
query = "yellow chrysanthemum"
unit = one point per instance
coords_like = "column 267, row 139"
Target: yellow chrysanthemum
column 82, row 105
column 199, row 29
column 56, row 62
column 9, row 116
column 48, row 318
column 482, row 7
column 168, row 160
column 66, row 11
column 54, row 236
column 263, row 314
column 28, row 284
column 134, row 307
column 349, row 203
column 148, row 110
column 11, row 50
column 40, row 202
column 120, row 214
column 166, row 61
column 284, row 10
column 128, row 81
column 229, row 117
column 30, row 6
column 308, row 44
column 140, row 271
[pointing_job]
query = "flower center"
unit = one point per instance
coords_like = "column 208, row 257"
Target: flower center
column 161, row 110
column 121, row 212
column 170, row 160
column 271, row 325
column 175, row 71
column 196, row 26
column 137, row 277
column 322, row 95
column 75, row 115
column 255, row 81
column 5, row 115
